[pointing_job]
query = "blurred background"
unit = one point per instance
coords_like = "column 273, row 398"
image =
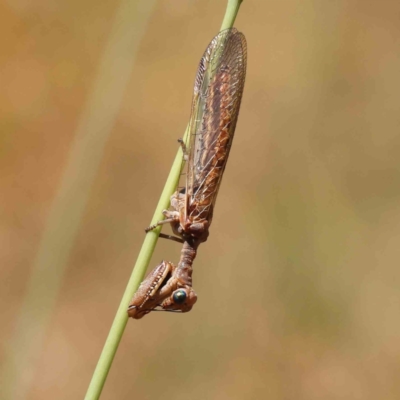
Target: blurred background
column 298, row 283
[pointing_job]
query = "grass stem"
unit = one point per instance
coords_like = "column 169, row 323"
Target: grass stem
column 121, row 318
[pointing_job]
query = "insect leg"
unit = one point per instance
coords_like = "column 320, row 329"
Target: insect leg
column 171, row 237
column 184, row 149
column 171, row 216
column 164, row 221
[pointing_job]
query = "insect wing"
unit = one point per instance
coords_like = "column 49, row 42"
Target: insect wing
column 217, row 95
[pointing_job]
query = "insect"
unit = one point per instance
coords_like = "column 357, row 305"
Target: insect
column 216, row 101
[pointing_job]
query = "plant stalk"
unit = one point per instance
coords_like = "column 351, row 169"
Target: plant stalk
column 142, row 262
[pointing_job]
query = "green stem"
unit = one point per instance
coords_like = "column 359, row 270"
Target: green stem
column 232, row 9
column 143, row 260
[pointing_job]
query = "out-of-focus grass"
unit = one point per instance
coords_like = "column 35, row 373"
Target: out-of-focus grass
column 65, row 215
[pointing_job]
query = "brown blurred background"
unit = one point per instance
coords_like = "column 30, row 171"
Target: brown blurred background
column 299, row 282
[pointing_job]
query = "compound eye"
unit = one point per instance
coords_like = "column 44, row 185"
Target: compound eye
column 179, row 296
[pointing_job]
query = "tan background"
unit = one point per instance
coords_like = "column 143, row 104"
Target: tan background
column 299, row 282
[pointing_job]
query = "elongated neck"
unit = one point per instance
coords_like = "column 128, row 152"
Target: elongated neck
column 188, row 253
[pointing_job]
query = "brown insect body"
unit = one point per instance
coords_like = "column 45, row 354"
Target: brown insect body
column 217, row 95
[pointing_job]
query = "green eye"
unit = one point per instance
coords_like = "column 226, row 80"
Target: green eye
column 179, row 296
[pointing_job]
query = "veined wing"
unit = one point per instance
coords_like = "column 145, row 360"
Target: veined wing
column 217, row 95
